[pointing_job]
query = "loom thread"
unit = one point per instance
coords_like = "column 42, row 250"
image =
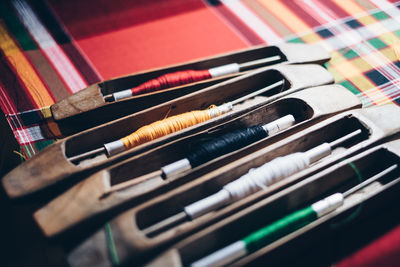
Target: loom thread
column 172, row 124
column 225, row 144
column 171, row 80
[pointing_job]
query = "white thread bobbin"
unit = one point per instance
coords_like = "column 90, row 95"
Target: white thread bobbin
column 176, row 167
column 328, row 204
column 224, row 70
column 279, row 124
column 224, row 256
column 266, row 175
column 219, row 110
column 122, row 94
column 114, row 147
column 249, row 183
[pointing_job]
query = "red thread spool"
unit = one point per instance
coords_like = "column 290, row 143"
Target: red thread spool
column 171, row 80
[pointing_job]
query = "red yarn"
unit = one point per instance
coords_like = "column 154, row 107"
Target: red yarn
column 170, row 80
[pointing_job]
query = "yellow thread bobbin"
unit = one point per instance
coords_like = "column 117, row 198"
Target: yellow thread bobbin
column 172, row 124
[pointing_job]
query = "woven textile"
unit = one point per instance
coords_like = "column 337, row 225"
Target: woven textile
column 51, row 49
column 55, row 48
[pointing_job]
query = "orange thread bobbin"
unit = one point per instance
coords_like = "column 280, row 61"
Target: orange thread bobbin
column 167, row 126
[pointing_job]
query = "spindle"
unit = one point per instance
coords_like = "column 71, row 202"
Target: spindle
column 188, row 76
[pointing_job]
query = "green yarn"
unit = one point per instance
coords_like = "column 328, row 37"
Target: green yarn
column 359, row 176
column 110, row 245
column 279, row 228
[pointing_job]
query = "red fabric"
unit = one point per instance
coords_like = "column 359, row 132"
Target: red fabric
column 146, row 37
column 382, row 252
column 171, row 80
column 18, row 98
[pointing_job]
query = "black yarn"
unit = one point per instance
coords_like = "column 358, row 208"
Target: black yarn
column 225, row 144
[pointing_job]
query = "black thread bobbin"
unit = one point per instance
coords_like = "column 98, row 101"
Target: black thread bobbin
column 225, row 144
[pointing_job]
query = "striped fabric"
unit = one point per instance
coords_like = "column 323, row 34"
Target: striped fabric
column 51, row 49
column 363, row 37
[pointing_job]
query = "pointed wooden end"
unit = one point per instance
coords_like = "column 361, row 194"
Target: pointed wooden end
column 73, row 207
column 93, row 251
column 170, row 258
column 327, row 99
column 87, row 99
column 305, row 53
column 37, row 173
column 305, row 76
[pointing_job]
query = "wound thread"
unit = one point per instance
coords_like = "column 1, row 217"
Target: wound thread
column 169, row 125
column 225, row 144
column 267, row 174
column 171, row 80
column 251, row 182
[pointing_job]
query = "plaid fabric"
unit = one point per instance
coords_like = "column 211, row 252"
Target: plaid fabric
column 50, row 49
column 362, row 36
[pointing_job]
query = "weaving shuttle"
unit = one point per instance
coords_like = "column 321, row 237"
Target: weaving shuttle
column 44, row 173
column 286, row 225
column 139, row 178
column 129, row 225
column 73, row 112
column 200, row 133
column 297, row 244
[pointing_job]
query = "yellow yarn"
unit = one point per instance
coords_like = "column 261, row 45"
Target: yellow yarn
column 164, row 127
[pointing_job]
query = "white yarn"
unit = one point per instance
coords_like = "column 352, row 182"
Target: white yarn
column 267, row 174
column 249, row 183
column 214, row 112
